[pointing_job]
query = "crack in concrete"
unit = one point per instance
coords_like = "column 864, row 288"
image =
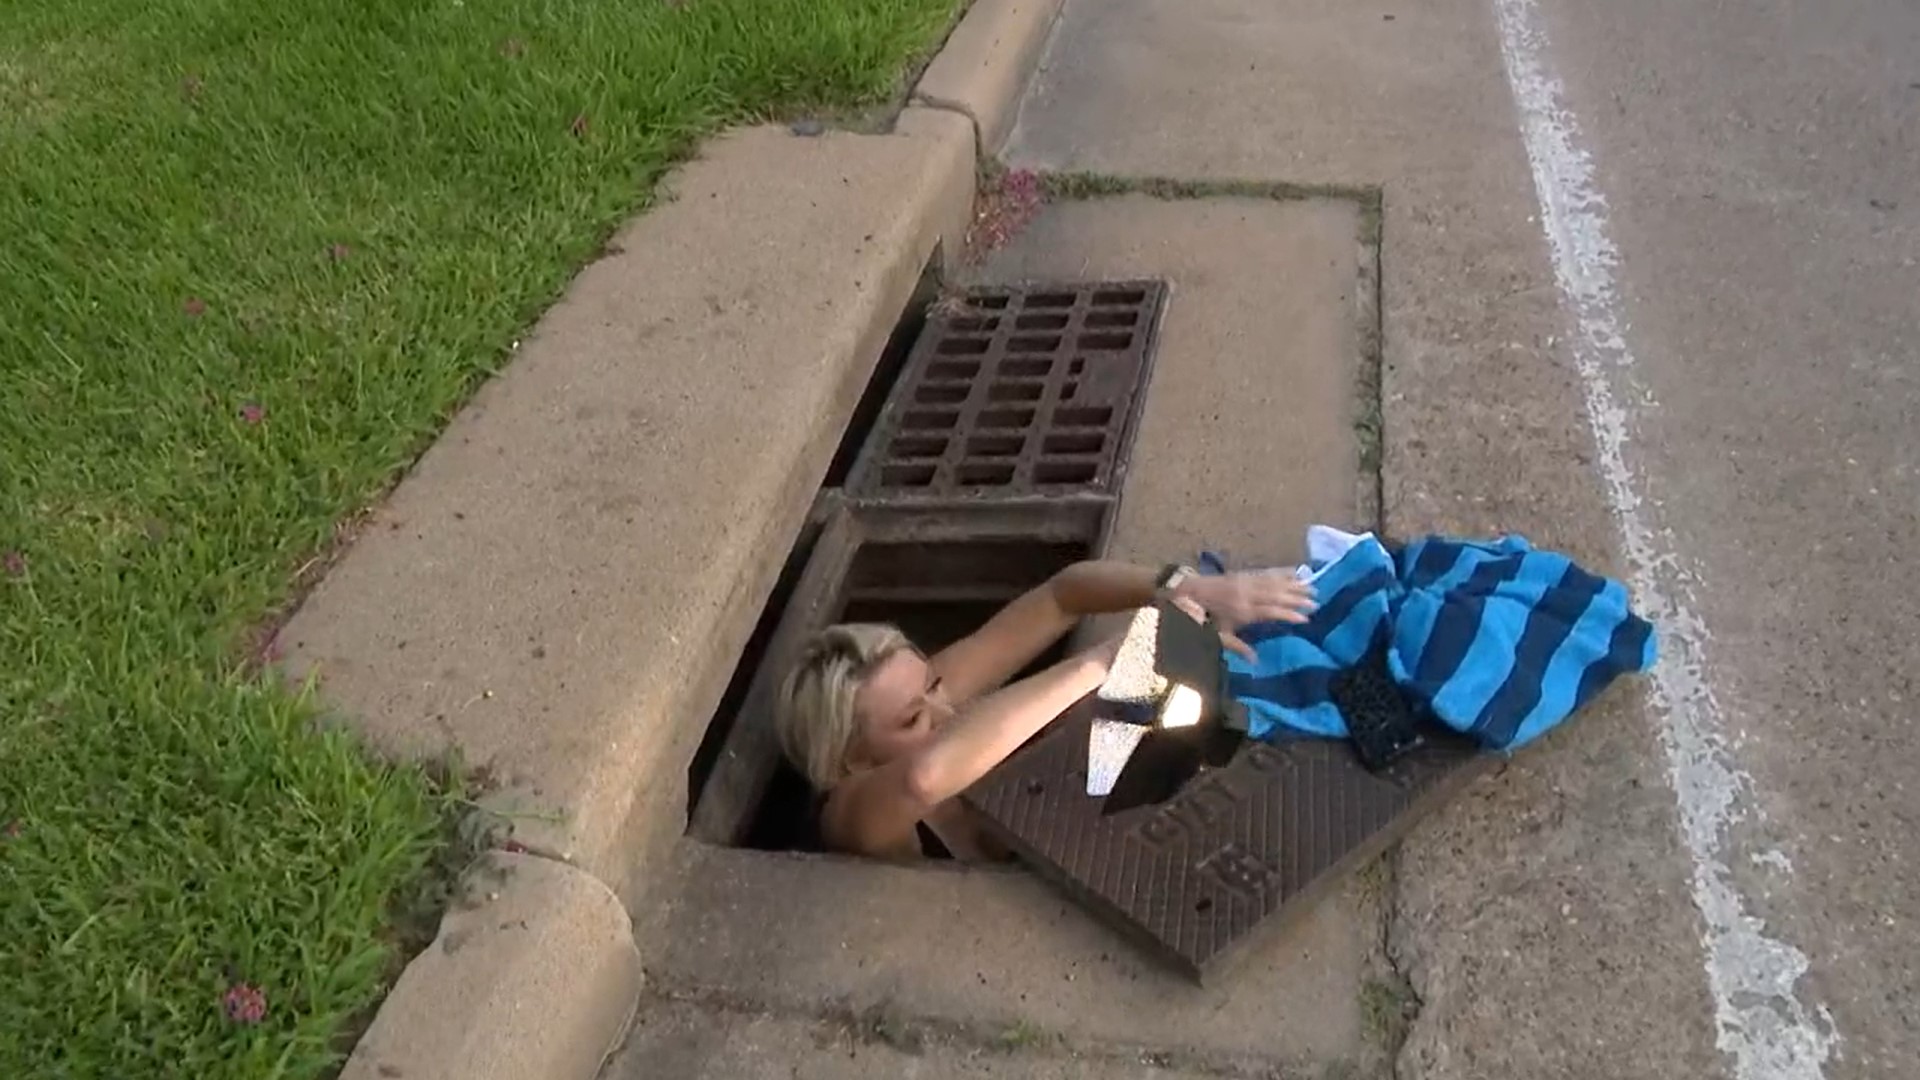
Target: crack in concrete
column 1406, row 1001
column 883, row 1024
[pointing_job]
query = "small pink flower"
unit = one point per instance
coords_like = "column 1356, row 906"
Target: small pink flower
column 253, row 412
column 15, row 563
column 339, row 252
column 513, row 847
column 579, row 126
column 244, row 1004
column 195, row 307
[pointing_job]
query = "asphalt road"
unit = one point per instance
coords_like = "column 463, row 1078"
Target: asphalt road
column 1761, row 166
column 1651, row 290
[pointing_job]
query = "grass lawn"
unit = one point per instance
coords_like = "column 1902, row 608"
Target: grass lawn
column 252, row 255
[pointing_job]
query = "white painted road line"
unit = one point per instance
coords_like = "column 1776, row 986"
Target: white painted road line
column 1764, row 1027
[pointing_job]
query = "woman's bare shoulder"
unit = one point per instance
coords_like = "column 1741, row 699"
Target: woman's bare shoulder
column 840, row 827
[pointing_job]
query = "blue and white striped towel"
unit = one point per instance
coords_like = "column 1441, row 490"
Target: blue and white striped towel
column 1502, row 641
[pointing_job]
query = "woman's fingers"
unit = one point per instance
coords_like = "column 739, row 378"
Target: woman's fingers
column 1245, row 599
column 1232, row 641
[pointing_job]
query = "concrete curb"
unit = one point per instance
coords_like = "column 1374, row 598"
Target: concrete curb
column 560, row 588
column 984, row 68
column 561, row 585
column 537, row 955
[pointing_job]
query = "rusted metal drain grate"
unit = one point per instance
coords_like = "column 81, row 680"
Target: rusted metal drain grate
column 1239, row 848
column 1017, row 391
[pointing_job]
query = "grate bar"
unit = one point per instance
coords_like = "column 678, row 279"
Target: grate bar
column 1017, row 391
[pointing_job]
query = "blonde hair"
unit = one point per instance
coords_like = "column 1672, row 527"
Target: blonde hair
column 815, row 717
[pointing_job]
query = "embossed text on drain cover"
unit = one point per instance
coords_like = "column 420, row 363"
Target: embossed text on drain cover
column 1238, row 849
column 1017, row 391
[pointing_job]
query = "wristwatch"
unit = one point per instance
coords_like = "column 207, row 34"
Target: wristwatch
column 1171, row 576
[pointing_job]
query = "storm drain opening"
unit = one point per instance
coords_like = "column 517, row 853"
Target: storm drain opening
column 998, row 447
column 937, row 573
column 1009, row 391
column 866, row 410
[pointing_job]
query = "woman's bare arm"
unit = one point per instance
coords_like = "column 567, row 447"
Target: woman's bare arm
column 1027, row 627
column 1018, row 633
column 875, row 811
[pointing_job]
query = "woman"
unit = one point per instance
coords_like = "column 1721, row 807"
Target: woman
column 889, row 735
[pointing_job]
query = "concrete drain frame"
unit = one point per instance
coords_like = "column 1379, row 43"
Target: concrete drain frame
column 998, row 456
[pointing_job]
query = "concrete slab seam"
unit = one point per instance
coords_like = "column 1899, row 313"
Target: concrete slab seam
column 1369, row 408
column 1406, row 1000
column 1764, row 1027
column 1004, row 41
column 909, row 1032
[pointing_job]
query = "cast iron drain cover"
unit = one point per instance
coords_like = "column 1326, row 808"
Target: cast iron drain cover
column 1016, row 391
column 1240, row 848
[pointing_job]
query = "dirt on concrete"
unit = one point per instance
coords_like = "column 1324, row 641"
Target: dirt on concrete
column 690, row 1040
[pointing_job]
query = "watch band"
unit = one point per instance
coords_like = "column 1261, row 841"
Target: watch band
column 1171, row 575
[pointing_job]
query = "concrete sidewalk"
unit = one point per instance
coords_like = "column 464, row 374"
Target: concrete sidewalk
column 1543, row 920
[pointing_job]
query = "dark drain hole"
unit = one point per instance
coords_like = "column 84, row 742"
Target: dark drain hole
column 1051, row 300
column 1006, row 418
column 982, row 326
column 1012, row 368
column 988, row 303
column 1037, row 343
column 1095, row 416
column 919, row 446
column 1112, row 318
column 1040, row 322
column 1203, row 905
column 940, row 394
column 995, row 445
column 981, row 474
column 964, row 346
column 908, row 475
column 1065, row 472
column 1118, row 296
column 1015, row 391
column 953, row 369
column 1105, row 342
column 936, row 593
column 1073, row 442
column 924, row 419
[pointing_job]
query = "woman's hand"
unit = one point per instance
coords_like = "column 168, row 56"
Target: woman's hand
column 1248, row 598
